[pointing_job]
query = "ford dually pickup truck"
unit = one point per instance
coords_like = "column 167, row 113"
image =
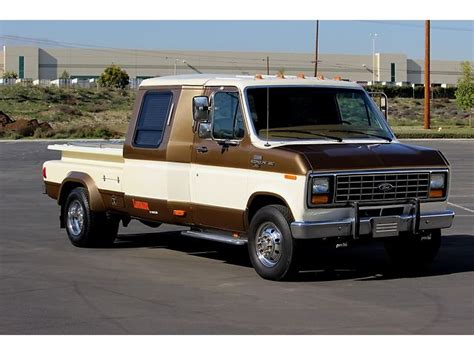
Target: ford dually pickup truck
column 267, row 161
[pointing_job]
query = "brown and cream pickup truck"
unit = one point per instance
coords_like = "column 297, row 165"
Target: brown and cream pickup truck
column 266, row 161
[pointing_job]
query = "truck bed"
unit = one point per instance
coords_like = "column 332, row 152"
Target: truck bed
column 102, row 161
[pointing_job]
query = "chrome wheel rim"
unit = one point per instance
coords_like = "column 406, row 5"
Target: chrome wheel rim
column 268, row 246
column 75, row 218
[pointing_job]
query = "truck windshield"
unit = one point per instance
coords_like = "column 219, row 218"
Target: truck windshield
column 315, row 113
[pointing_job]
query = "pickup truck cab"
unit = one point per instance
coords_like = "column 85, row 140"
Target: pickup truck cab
column 267, row 161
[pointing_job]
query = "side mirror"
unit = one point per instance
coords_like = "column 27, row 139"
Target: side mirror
column 381, row 100
column 201, row 108
column 204, row 130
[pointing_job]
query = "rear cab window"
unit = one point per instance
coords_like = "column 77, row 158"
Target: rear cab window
column 152, row 118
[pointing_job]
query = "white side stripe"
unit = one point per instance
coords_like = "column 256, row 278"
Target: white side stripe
column 461, row 207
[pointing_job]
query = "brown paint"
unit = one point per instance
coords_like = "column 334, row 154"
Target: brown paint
column 357, row 156
column 113, row 200
column 212, row 216
column 180, row 144
column 95, row 199
column 220, row 218
column 52, row 189
column 158, row 154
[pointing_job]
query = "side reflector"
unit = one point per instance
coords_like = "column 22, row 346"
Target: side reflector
column 319, row 199
column 44, row 172
column 436, row 193
column 179, row 213
column 141, row 205
column 290, row 177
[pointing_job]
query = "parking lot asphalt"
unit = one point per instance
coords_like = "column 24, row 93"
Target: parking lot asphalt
column 154, row 281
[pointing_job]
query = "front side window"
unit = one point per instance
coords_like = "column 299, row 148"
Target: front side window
column 227, row 119
column 315, row 113
column 152, row 119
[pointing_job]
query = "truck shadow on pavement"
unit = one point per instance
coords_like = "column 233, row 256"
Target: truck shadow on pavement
column 322, row 263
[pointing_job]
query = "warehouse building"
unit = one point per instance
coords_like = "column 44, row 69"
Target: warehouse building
column 48, row 64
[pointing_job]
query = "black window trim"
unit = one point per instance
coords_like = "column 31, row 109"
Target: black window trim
column 165, row 122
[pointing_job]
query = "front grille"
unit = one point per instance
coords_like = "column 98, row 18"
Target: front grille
column 369, row 187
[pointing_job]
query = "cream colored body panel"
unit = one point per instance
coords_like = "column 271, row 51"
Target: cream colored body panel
column 103, row 165
column 179, row 182
column 232, row 188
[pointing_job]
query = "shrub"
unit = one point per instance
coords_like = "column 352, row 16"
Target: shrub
column 10, row 75
column 115, row 77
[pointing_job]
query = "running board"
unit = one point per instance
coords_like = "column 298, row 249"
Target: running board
column 215, row 237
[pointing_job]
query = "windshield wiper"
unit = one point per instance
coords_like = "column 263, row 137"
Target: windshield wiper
column 305, row 132
column 361, row 132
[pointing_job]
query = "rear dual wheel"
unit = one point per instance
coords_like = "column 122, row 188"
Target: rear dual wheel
column 86, row 228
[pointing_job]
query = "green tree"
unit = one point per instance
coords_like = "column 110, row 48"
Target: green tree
column 10, row 75
column 65, row 75
column 465, row 91
column 114, row 76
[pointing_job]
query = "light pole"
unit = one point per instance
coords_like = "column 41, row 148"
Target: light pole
column 316, row 50
column 374, row 36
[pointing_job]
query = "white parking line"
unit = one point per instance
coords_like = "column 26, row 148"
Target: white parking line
column 461, row 207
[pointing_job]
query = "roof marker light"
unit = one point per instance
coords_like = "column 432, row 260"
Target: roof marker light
column 321, row 77
column 337, row 78
column 258, row 76
column 280, row 76
column 301, row 76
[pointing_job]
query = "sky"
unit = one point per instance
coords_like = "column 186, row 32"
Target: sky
column 450, row 40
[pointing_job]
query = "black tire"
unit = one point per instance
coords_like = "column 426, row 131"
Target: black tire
column 151, row 224
column 266, row 219
column 97, row 228
column 410, row 252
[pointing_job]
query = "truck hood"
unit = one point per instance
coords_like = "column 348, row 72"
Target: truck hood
column 357, row 156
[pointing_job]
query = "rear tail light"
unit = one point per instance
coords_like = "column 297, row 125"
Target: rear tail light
column 44, row 172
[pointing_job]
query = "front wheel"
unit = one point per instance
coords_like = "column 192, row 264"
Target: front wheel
column 413, row 252
column 86, row 228
column 271, row 246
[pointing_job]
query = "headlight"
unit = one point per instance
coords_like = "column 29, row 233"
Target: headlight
column 437, row 181
column 320, row 191
column 320, row 186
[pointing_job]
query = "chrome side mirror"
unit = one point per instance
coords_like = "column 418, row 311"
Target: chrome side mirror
column 204, row 130
column 201, row 108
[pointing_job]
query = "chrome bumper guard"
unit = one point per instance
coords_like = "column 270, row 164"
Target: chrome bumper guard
column 378, row 227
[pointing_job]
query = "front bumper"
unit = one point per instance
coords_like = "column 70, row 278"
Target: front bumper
column 376, row 226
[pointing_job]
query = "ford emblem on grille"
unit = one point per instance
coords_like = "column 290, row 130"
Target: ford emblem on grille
column 385, row 187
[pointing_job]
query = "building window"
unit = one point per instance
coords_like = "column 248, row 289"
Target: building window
column 21, row 67
column 392, row 72
column 152, row 119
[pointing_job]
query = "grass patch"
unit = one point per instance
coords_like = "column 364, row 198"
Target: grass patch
column 80, row 132
column 419, row 132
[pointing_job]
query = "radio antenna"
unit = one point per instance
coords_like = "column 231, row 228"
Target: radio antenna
column 268, row 115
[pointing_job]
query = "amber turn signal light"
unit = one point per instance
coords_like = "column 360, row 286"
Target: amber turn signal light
column 436, row 193
column 319, row 199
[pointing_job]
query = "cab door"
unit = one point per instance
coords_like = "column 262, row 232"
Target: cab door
column 219, row 175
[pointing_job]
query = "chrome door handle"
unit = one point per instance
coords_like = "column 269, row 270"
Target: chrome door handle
column 201, row 149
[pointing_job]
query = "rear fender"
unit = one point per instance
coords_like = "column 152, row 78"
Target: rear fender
column 75, row 178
